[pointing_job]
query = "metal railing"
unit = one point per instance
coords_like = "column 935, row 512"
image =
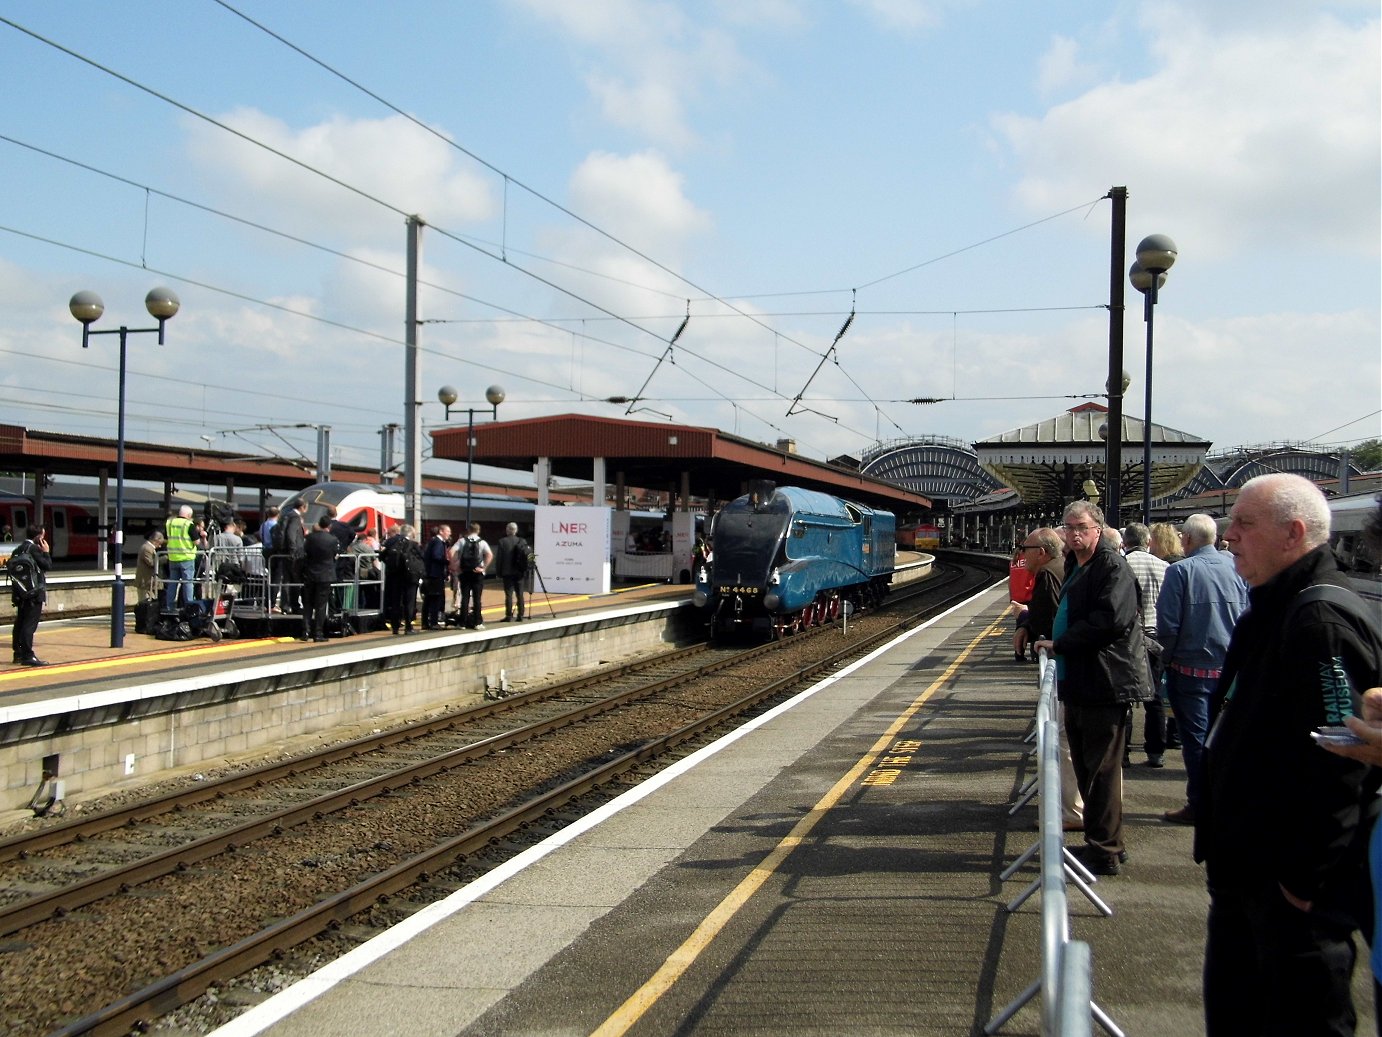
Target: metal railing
column 1065, row 983
column 240, row 582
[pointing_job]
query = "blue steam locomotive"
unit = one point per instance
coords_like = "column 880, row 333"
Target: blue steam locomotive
column 784, row 558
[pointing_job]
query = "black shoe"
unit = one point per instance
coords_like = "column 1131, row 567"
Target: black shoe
column 507, row 619
column 34, row 660
column 1099, row 863
column 1155, row 760
column 1173, row 743
column 318, row 639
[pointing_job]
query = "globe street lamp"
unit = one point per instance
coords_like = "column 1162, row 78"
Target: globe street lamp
column 1155, row 255
column 87, row 307
column 447, row 395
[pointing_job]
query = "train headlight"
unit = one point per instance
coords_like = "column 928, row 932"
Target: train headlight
column 772, row 601
column 699, row 598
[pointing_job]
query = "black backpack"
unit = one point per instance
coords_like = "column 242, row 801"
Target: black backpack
column 413, row 564
column 521, row 555
column 24, row 576
column 470, row 555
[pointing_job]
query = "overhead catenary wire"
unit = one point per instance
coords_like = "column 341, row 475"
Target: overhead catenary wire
column 502, row 255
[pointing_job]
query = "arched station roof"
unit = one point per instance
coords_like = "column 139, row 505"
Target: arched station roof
column 1235, row 467
column 937, row 466
column 715, row 465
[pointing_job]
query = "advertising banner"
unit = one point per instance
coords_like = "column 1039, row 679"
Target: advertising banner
column 572, row 548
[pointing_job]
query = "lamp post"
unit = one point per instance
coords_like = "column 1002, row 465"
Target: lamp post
column 1155, row 255
column 87, row 307
column 447, row 395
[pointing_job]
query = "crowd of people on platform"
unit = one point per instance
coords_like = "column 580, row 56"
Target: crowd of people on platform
column 301, row 569
column 1257, row 646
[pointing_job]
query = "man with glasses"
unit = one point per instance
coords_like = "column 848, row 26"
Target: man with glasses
column 1282, row 827
column 1101, row 668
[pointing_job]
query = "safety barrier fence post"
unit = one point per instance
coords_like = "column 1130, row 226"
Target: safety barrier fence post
column 1065, row 983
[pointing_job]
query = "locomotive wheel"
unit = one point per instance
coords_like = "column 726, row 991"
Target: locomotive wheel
column 809, row 616
column 784, row 625
column 832, row 610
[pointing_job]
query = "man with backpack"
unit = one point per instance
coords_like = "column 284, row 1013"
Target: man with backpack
column 512, row 555
column 290, row 547
column 475, row 559
column 28, row 591
column 403, row 569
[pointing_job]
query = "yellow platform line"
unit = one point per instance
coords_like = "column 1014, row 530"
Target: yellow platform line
column 681, row 959
column 117, row 661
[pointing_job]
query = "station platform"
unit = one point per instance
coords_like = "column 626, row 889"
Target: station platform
column 78, row 651
column 833, row 868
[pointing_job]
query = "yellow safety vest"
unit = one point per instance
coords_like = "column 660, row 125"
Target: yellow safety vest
column 180, row 546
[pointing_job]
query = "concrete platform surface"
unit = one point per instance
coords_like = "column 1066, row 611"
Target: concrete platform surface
column 834, row 869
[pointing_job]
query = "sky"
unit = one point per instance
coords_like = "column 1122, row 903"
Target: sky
column 592, row 174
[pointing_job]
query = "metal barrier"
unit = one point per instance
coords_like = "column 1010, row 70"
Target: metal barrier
column 241, row 584
column 1065, row 983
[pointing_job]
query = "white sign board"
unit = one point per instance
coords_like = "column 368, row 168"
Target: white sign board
column 572, row 547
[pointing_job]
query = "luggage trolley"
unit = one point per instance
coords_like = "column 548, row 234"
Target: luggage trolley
column 238, row 586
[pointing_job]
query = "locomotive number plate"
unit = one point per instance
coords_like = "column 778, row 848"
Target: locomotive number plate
column 740, row 590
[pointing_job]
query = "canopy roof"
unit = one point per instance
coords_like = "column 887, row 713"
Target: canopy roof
column 659, row 455
column 1049, row 461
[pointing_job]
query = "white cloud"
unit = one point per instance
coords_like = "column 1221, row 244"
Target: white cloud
column 902, row 14
column 648, row 63
column 638, row 197
column 390, row 159
column 1062, row 66
column 1253, row 136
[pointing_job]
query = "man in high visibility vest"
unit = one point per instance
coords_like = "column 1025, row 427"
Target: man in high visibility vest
column 182, row 557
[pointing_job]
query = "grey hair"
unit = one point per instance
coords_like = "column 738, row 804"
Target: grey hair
column 1294, row 497
column 1086, row 510
column 511, row 528
column 1049, row 540
column 185, row 511
column 1136, row 534
column 1201, row 529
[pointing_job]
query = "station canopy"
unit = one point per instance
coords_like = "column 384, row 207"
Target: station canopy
column 1047, row 463
column 707, row 462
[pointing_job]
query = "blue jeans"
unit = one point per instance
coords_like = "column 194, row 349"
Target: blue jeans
column 1189, row 697
column 180, row 574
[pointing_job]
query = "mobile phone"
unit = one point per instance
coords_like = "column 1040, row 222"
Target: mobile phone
column 1336, row 735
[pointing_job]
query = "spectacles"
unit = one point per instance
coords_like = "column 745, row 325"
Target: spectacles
column 1077, row 529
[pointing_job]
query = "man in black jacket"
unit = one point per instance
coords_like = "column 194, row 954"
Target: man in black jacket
column 318, row 573
column 1101, row 668
column 1284, row 827
column 28, row 607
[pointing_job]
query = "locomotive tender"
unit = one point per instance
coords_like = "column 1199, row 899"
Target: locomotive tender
column 784, row 558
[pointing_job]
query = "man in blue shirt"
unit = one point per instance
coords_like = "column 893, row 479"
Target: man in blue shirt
column 1201, row 598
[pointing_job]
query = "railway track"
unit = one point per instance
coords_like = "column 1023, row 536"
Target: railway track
column 162, row 899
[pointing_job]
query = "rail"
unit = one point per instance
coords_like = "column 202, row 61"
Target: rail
column 1065, row 983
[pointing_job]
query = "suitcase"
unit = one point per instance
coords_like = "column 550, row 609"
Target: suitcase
column 146, row 615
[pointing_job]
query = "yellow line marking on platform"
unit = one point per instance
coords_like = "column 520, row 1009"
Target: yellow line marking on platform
column 112, row 661
column 681, row 959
